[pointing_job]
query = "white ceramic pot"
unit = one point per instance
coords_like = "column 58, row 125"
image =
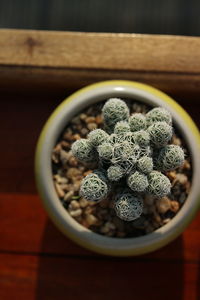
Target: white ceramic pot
column 52, row 130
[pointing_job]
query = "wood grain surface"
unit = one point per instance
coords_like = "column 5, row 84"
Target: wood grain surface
column 37, row 262
column 60, row 60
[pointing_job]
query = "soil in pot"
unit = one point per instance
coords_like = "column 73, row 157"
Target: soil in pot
column 100, row 217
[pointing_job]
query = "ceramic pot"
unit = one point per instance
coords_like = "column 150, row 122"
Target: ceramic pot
column 43, row 170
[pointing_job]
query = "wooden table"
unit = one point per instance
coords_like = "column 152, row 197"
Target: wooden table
column 37, row 70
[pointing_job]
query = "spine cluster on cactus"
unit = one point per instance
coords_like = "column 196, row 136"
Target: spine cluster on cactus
column 105, row 151
column 114, row 138
column 142, row 138
column 121, row 127
column 137, row 181
column 128, row 206
column 145, row 164
column 121, row 152
column 84, row 151
column 160, row 133
column 97, row 137
column 158, row 114
column 115, row 110
column 137, row 122
column 129, row 137
column 159, row 184
column 131, row 154
column 170, row 157
column 115, row 173
column 94, row 188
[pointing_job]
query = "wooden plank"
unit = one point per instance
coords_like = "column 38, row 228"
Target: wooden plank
column 69, row 59
column 41, row 277
column 100, row 51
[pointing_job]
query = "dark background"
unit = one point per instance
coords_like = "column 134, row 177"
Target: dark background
column 180, row 17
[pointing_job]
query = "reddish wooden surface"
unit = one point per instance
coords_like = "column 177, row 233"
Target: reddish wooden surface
column 38, row 262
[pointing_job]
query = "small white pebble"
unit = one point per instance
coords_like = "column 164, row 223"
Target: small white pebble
column 76, row 186
column 68, row 195
column 186, row 165
column 64, row 156
column 59, row 179
column 181, row 178
column 174, row 206
column 90, row 120
column 74, row 205
column 187, row 187
column 75, row 213
column 73, row 172
column 76, row 136
column 171, row 175
column 56, row 153
column 84, row 131
column 83, row 116
column 163, row 205
column 64, row 180
column 59, row 190
column 91, row 219
column 83, row 202
column 176, row 140
column 91, row 126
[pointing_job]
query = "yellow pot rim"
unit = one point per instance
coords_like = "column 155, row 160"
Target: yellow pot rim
column 42, row 190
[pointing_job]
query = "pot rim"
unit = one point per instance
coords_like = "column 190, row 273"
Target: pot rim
column 71, row 106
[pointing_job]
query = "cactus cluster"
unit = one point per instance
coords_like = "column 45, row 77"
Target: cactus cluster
column 94, row 187
column 133, row 152
column 128, row 206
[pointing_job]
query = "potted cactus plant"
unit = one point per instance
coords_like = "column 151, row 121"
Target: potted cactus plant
column 134, row 156
column 108, row 163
